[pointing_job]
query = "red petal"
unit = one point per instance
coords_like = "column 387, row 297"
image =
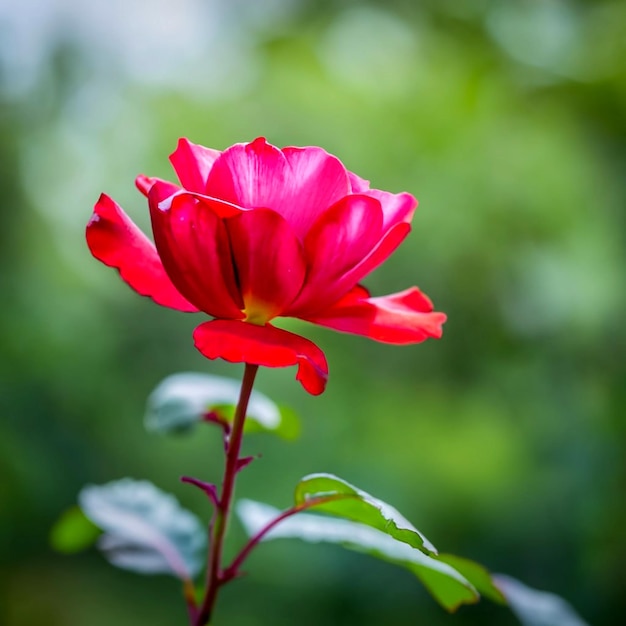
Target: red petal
column 338, row 241
column 160, row 190
column 387, row 245
column 163, row 193
column 114, row 239
column 298, row 183
column 319, row 179
column 397, row 207
column 241, row 342
column 193, row 244
column 250, row 175
column 358, row 184
column 394, row 237
column 193, row 162
column 144, row 184
column 269, row 261
column 400, row 318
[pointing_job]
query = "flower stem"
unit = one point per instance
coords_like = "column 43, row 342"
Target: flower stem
column 219, row 523
column 233, row 570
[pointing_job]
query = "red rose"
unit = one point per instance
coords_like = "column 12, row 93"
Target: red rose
column 255, row 233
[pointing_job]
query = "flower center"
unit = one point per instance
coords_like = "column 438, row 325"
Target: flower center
column 257, row 312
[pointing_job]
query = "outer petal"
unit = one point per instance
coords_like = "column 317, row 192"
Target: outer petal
column 161, row 193
column 115, row 240
column 390, row 241
column 158, row 190
column 298, row 183
column 269, row 262
column 320, row 180
column 144, row 184
column 397, row 207
column 193, row 244
column 193, row 162
column 400, row 318
column 241, row 342
column 358, row 184
column 386, row 246
column 338, row 241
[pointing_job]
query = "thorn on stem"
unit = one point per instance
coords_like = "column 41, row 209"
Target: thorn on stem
column 208, row 488
column 244, row 462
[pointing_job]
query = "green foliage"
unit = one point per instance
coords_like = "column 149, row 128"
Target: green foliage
column 145, row 530
column 287, row 426
column 507, row 437
column 445, row 584
column 476, row 574
column 330, row 494
column 183, row 400
column 73, row 532
column 537, row 608
column 372, row 526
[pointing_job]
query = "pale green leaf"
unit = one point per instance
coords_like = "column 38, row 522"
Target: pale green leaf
column 444, row 583
column 335, row 496
column 182, row 400
column 73, row 532
column 537, row 608
column 478, row 575
column 145, row 529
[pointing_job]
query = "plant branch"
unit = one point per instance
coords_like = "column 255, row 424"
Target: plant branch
column 232, row 571
column 219, row 522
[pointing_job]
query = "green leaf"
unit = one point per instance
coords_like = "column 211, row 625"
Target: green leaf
column 537, row 608
column 73, row 532
column 478, row 575
column 145, row 529
column 288, row 426
column 182, row 400
column 340, row 498
column 445, row 584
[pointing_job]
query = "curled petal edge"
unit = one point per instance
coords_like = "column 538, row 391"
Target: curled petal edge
column 116, row 241
column 242, row 342
column 339, row 240
column 390, row 241
column 144, row 183
column 400, row 318
column 397, row 207
column 193, row 245
column 192, row 163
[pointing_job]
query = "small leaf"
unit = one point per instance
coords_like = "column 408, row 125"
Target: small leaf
column 445, row 584
column 145, row 530
column 537, row 608
column 73, row 532
column 478, row 575
column 340, row 498
column 182, row 400
column 288, row 427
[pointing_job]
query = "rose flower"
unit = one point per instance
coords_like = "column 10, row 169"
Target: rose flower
column 254, row 233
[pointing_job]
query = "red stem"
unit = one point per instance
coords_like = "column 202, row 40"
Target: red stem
column 233, row 569
column 219, row 522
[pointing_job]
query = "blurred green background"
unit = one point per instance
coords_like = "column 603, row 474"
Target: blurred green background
column 503, row 442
